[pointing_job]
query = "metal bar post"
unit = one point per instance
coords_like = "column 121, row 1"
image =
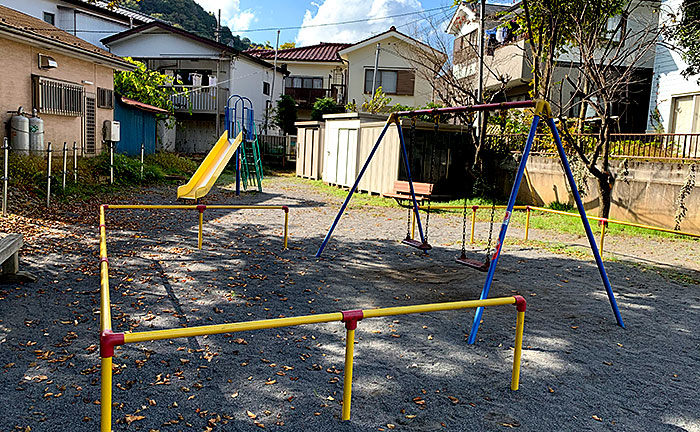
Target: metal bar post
column 584, row 219
column 286, row 225
column 106, row 395
column 504, row 228
column 352, row 190
column 142, row 148
column 65, row 164
column 111, row 162
column 471, row 236
column 517, row 354
column 413, row 226
column 603, row 226
column 48, row 175
column 527, row 223
column 347, row 373
column 201, row 223
column 75, row 163
column 6, row 174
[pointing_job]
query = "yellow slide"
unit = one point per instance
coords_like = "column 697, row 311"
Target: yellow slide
column 211, row 168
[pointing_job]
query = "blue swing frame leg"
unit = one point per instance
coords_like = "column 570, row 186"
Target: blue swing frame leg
column 509, row 210
column 504, row 228
column 586, row 224
column 362, row 172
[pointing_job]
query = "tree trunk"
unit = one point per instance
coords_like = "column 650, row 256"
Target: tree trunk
column 605, row 180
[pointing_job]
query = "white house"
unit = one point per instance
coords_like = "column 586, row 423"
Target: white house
column 315, row 71
column 674, row 105
column 211, row 72
column 403, row 68
column 90, row 21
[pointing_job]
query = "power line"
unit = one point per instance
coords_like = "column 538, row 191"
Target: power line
column 361, row 20
column 342, row 22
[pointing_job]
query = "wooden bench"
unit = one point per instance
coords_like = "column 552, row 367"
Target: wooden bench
column 10, row 244
column 402, row 192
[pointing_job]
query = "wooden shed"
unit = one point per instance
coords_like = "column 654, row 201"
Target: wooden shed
column 310, row 150
column 434, row 158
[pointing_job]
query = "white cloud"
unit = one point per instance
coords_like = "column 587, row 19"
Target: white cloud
column 332, row 11
column 231, row 13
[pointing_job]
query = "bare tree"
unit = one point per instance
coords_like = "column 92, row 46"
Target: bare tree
column 609, row 54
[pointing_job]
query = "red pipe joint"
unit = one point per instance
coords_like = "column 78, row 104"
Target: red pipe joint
column 108, row 340
column 351, row 317
column 520, row 303
column 201, row 208
column 104, row 259
column 105, row 206
column 475, row 207
column 286, row 209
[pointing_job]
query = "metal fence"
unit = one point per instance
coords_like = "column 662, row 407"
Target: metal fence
column 636, row 146
column 281, row 147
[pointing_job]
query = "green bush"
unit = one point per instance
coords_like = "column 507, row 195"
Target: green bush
column 171, row 163
column 324, row 106
column 556, row 205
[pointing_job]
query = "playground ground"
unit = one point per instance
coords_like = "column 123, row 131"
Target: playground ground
column 580, row 370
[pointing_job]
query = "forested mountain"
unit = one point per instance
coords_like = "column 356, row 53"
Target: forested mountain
column 190, row 16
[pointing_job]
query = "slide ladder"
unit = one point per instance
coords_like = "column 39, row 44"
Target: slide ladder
column 251, row 163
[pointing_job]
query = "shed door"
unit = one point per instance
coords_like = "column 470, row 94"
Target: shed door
column 342, row 168
column 330, row 166
column 309, row 136
column 351, row 171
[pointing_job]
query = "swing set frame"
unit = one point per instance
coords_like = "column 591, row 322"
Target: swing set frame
column 542, row 111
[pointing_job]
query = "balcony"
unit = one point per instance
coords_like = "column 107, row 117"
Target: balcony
column 305, row 97
column 507, row 60
column 199, row 100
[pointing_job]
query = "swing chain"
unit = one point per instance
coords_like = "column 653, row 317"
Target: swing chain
column 432, row 164
column 464, row 230
column 488, row 243
column 412, row 140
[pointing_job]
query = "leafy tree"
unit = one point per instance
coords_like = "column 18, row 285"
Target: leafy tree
column 377, row 103
column 146, row 86
column 288, row 45
column 286, row 114
column 323, row 106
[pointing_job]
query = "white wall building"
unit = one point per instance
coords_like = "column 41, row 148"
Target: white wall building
column 674, row 104
column 90, row 21
column 210, row 71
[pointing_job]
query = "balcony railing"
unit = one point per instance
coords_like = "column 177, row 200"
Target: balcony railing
column 632, row 146
column 306, row 97
column 198, row 99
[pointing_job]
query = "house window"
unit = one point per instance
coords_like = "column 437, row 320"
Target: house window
column 685, row 114
column 50, row 18
column 58, row 97
column 397, row 82
column 266, row 88
column 615, row 28
column 105, row 98
column 304, row 82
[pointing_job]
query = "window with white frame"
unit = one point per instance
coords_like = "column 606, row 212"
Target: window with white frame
column 685, row 114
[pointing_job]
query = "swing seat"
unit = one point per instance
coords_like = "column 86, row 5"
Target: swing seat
column 416, row 244
column 482, row 266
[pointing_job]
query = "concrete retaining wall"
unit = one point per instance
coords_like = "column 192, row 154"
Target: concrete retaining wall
column 648, row 197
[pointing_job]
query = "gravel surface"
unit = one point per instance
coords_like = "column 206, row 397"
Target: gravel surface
column 580, row 370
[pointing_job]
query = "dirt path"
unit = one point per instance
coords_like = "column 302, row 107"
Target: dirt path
column 580, row 370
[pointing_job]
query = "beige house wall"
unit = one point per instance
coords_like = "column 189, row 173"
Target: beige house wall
column 20, row 61
column 647, row 197
column 394, row 54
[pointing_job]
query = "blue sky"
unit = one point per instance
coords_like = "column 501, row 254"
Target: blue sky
column 251, row 14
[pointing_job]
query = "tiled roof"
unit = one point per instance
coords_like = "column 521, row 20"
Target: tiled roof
column 142, row 106
column 14, row 21
column 325, row 51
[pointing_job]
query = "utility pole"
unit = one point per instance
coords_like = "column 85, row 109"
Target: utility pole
column 218, row 73
column 376, row 67
column 480, row 94
column 272, row 87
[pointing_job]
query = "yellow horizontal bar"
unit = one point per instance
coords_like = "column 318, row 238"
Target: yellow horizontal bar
column 459, row 207
column 192, row 207
column 231, row 327
column 307, row 319
column 649, row 227
column 435, row 307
